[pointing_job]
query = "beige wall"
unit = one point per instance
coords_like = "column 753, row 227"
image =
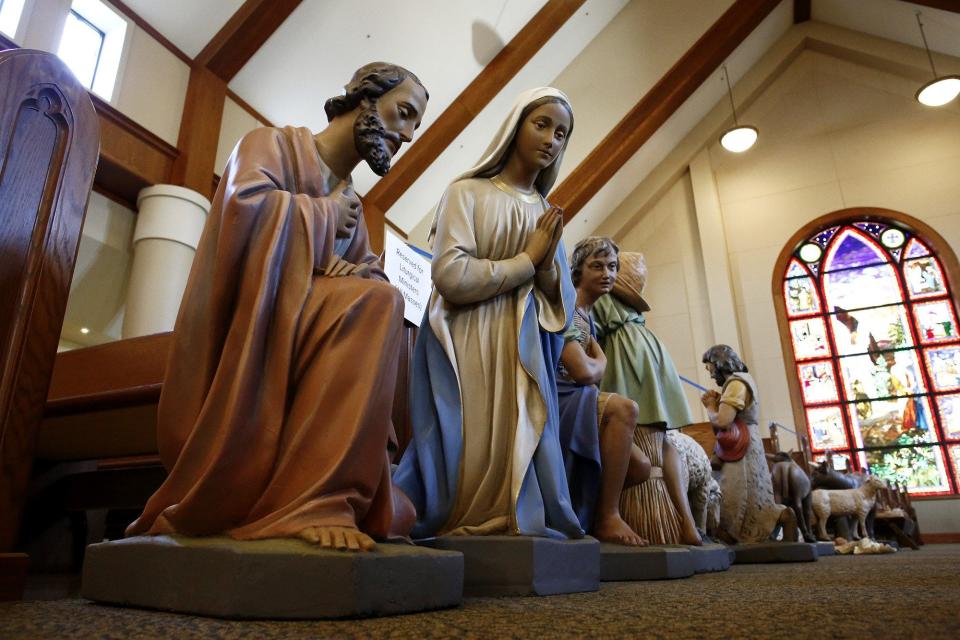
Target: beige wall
column 679, row 313
column 237, row 122
column 152, row 82
column 152, row 85
column 833, row 134
column 98, row 288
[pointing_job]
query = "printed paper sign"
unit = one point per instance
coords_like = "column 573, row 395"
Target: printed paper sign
column 409, row 271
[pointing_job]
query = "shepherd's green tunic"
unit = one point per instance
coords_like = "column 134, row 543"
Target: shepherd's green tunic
column 638, row 365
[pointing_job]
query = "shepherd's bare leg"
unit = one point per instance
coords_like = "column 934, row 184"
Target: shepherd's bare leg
column 616, row 438
column 672, row 475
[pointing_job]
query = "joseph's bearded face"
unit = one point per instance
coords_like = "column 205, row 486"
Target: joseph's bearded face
column 385, row 124
column 371, row 139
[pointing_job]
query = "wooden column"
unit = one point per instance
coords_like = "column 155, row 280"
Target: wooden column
column 223, row 57
column 200, row 131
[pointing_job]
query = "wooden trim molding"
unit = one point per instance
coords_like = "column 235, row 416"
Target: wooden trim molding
column 943, row 5
column 243, row 34
column 131, row 157
column 461, row 112
column 919, row 228
column 649, row 114
column 940, row 538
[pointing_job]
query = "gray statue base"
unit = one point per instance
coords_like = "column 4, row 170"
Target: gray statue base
column 278, row 578
column 524, row 565
column 621, row 563
column 710, row 557
column 764, row 552
column 825, row 548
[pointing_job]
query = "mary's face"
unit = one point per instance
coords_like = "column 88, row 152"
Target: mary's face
column 542, row 135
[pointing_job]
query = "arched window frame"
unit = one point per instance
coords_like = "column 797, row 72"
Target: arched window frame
column 951, row 273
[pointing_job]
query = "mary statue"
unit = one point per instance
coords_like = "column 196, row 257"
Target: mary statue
column 485, row 456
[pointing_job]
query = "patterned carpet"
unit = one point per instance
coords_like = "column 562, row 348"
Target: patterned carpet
column 911, row 594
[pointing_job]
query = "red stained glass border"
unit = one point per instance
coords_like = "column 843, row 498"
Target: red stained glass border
column 897, row 260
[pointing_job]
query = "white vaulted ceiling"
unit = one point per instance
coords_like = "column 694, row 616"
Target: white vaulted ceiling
column 188, row 24
column 893, row 20
column 448, row 42
column 309, row 58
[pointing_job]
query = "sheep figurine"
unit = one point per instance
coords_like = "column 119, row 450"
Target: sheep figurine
column 841, row 502
column 701, row 488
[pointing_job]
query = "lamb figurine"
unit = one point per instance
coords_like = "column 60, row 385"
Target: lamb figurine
column 840, row 502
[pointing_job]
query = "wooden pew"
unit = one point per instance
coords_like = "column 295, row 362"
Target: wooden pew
column 49, row 140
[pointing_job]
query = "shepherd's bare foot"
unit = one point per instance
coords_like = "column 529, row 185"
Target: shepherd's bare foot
column 339, row 538
column 689, row 534
column 614, row 530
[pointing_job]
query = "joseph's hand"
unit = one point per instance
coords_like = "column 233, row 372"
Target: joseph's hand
column 348, row 209
column 340, row 268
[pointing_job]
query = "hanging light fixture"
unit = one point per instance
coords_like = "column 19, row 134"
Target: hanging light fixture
column 740, row 137
column 940, row 90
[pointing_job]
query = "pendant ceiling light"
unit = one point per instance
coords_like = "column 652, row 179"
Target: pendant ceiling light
column 740, row 137
column 940, row 90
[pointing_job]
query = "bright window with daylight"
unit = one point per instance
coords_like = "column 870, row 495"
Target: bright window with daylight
column 10, row 12
column 92, row 44
column 873, row 329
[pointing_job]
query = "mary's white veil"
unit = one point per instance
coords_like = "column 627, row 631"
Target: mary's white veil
column 494, row 155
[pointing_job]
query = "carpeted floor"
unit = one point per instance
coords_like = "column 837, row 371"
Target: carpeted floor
column 911, row 594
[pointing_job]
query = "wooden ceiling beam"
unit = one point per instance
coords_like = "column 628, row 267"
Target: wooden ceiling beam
column 431, row 143
column 653, row 110
column 243, row 34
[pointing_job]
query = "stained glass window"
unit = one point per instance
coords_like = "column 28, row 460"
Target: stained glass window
column 873, row 326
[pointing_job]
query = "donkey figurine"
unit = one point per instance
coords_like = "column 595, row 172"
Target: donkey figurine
column 791, row 487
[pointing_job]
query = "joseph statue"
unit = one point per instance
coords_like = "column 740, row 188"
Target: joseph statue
column 274, row 419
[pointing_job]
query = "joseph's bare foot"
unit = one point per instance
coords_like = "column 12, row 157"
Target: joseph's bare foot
column 614, row 530
column 339, row 538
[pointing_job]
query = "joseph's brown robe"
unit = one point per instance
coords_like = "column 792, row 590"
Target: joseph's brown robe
column 275, row 411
